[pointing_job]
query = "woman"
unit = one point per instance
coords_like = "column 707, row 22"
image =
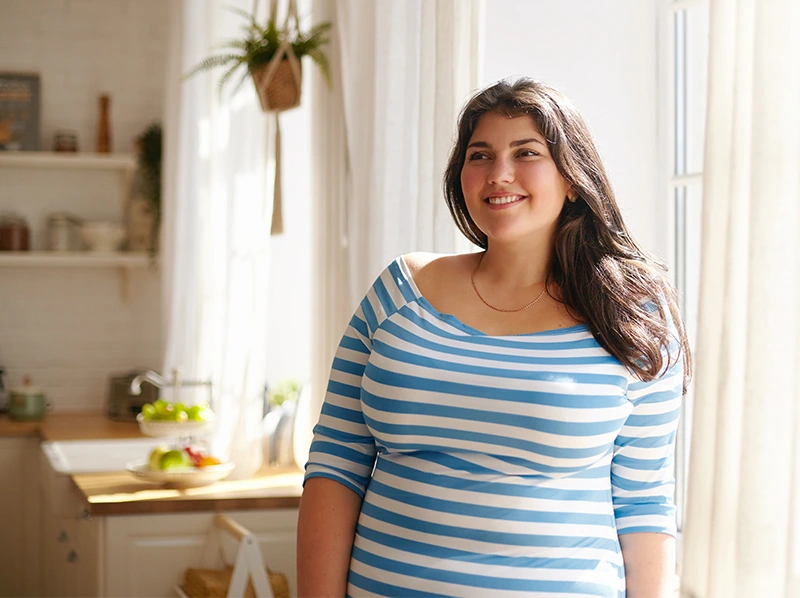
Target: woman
column 502, row 423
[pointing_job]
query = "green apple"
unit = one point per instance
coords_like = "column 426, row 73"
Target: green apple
column 200, row 413
column 148, row 411
column 154, row 463
column 174, row 459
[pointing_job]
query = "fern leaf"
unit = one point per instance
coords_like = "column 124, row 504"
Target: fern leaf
column 213, row 62
column 321, row 60
column 245, row 77
column 224, row 79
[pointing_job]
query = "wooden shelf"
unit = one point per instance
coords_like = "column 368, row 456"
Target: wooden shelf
column 78, row 259
column 68, row 160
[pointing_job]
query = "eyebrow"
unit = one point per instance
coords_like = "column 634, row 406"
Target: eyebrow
column 512, row 144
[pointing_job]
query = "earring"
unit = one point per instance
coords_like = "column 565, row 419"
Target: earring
column 572, row 199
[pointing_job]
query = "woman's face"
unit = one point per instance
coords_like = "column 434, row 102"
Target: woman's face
column 511, row 185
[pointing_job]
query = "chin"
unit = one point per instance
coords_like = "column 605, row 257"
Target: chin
column 515, row 234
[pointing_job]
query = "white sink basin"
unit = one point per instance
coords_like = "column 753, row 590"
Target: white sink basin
column 95, row 456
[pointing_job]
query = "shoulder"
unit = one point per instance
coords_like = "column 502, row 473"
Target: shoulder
column 425, row 267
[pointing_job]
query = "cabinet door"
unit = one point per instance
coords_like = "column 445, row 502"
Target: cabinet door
column 70, row 542
column 19, row 523
column 146, row 555
column 83, row 560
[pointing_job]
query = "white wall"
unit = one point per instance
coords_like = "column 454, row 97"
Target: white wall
column 603, row 55
column 70, row 328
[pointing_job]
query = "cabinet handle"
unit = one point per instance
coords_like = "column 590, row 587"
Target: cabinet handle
column 86, row 515
column 72, row 556
column 62, row 537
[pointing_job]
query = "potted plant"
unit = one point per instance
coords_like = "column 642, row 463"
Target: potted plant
column 149, row 152
column 271, row 55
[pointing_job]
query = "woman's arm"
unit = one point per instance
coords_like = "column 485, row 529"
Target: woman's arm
column 325, row 530
column 649, row 565
column 343, row 451
column 643, row 483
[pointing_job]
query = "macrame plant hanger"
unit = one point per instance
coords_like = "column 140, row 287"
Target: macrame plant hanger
column 279, row 84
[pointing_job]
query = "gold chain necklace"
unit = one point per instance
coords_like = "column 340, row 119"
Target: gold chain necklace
column 489, row 305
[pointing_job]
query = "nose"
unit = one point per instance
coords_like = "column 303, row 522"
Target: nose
column 502, row 172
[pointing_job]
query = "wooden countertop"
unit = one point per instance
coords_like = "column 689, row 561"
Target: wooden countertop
column 70, row 426
column 123, row 494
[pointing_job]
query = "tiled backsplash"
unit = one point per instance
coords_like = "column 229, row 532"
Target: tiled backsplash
column 82, row 48
column 70, row 328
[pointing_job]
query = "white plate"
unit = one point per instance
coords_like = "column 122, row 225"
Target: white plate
column 174, row 429
column 181, row 478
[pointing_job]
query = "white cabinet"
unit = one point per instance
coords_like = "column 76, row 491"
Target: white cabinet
column 19, row 521
column 146, row 555
column 70, row 539
column 140, row 555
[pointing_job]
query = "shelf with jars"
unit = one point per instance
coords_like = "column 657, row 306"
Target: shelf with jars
column 71, row 241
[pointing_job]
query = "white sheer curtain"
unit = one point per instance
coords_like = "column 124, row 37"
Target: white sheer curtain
column 216, row 229
column 402, row 72
column 741, row 535
column 407, row 69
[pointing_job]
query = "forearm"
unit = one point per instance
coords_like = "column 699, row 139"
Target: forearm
column 325, row 530
column 649, row 564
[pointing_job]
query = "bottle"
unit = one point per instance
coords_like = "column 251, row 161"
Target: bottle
column 104, row 126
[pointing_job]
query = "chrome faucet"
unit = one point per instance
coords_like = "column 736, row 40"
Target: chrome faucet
column 161, row 382
column 148, row 376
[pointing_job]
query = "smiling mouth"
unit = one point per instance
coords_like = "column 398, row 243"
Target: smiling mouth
column 504, row 200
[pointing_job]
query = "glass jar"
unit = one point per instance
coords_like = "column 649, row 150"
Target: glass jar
column 65, row 141
column 14, row 233
column 62, row 232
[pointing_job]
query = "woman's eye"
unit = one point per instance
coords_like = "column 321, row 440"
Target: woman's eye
column 527, row 153
column 477, row 156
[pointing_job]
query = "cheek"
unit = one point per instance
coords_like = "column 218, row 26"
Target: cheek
column 470, row 181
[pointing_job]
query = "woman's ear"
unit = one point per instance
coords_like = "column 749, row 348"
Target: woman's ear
column 572, row 195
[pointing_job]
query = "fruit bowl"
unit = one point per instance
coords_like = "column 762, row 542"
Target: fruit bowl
column 172, row 429
column 188, row 477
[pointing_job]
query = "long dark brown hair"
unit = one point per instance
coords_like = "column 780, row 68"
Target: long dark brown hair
column 604, row 277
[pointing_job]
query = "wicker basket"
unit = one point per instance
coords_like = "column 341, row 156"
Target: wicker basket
column 282, row 90
column 214, row 583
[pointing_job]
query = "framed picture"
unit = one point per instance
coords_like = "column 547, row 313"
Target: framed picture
column 20, row 100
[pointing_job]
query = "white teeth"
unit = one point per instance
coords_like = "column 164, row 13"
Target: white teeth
column 504, row 199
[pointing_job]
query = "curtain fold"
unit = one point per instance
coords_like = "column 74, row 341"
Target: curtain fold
column 405, row 76
column 402, row 71
column 743, row 486
column 219, row 173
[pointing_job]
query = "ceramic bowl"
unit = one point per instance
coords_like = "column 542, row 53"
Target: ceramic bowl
column 102, row 236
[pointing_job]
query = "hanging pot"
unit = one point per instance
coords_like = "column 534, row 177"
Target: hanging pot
column 281, row 90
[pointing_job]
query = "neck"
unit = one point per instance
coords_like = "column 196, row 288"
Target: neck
column 515, row 266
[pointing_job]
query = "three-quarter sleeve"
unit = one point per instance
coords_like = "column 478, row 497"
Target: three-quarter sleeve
column 642, row 468
column 343, row 448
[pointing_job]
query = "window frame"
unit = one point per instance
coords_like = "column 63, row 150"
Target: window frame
column 675, row 57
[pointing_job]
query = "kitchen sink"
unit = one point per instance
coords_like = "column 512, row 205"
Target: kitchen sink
column 95, row 456
column 69, row 457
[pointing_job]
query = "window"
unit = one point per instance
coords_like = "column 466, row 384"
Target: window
column 685, row 58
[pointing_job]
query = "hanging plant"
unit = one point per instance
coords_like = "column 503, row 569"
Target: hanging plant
column 272, row 57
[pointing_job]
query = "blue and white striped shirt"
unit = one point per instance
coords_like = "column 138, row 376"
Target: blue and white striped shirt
column 499, row 466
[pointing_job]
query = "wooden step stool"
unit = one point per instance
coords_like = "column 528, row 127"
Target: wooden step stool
column 246, row 579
